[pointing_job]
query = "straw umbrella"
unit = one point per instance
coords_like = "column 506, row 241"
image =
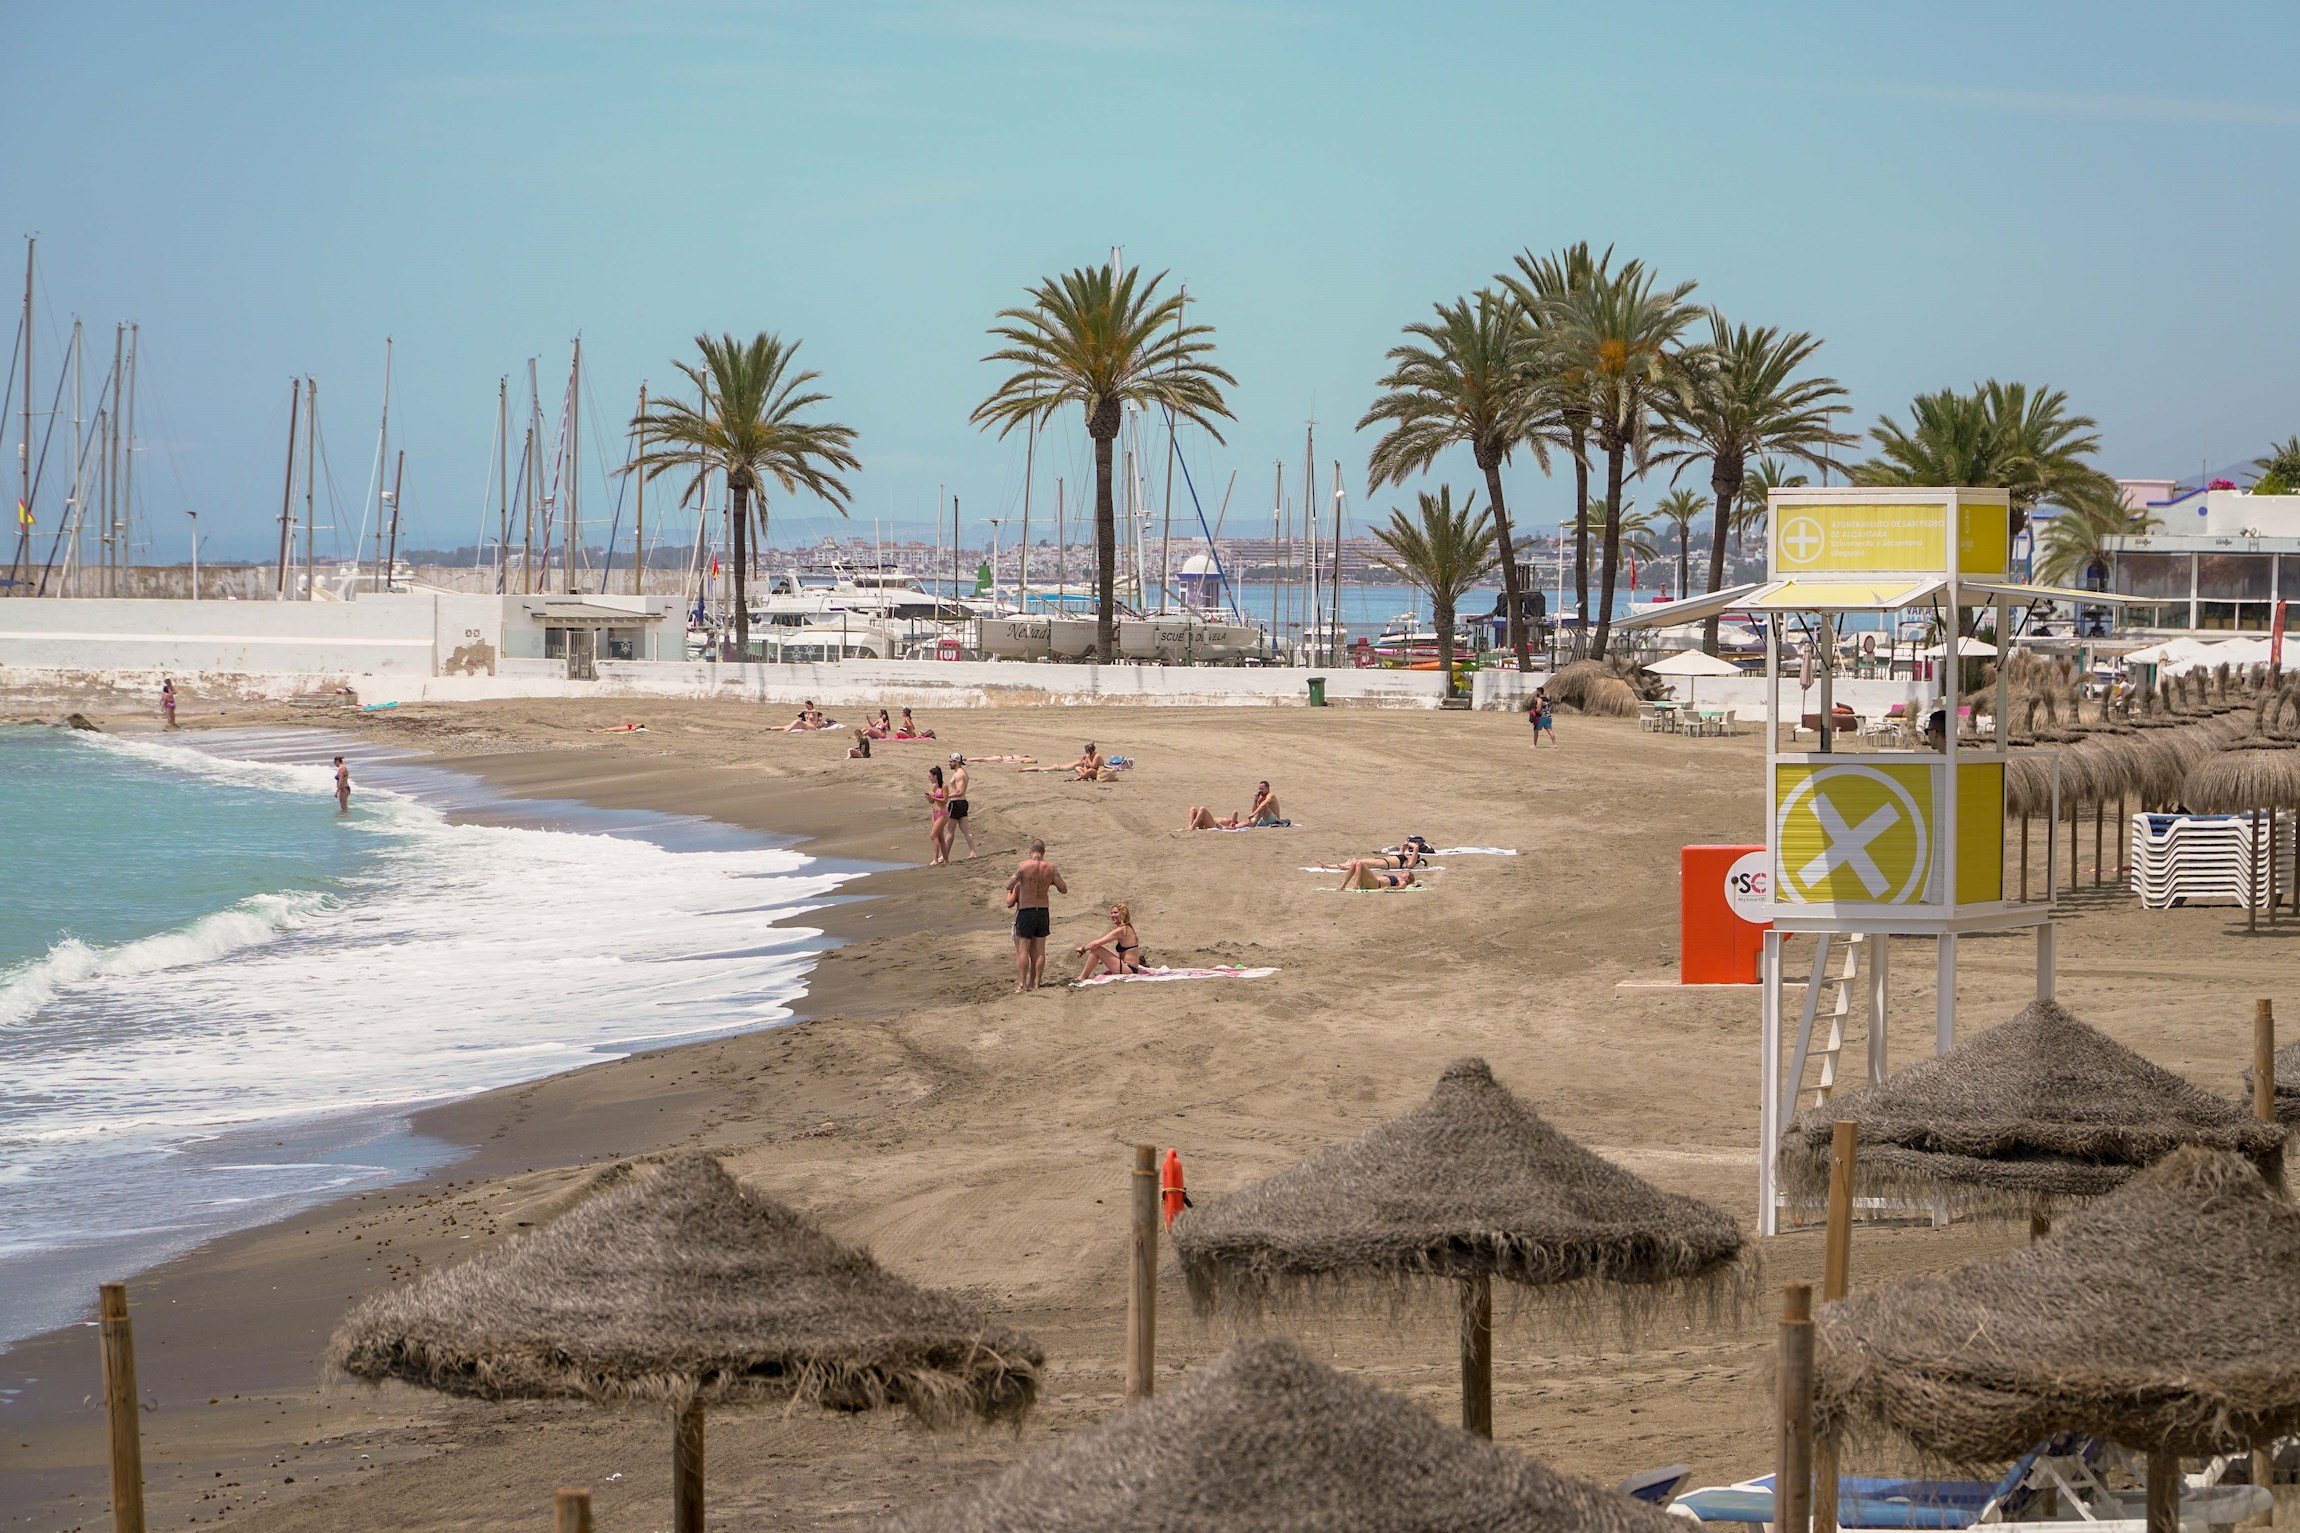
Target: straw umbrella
column 2247, row 775
column 1264, row 1440
column 2032, row 1114
column 2163, row 1318
column 682, row 1288
column 1470, row 1186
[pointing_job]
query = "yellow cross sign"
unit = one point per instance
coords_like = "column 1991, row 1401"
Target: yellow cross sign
column 1814, row 535
column 1852, row 834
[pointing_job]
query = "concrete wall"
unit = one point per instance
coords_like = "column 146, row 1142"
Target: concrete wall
column 377, row 635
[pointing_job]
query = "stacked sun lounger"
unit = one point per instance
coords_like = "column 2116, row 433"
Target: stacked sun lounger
column 2182, row 857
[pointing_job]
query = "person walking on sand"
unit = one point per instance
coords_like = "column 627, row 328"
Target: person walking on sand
column 342, row 787
column 1544, row 724
column 168, row 699
column 938, row 827
column 958, row 806
column 1026, row 891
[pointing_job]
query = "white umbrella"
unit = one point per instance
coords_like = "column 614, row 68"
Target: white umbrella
column 1692, row 663
column 1969, row 649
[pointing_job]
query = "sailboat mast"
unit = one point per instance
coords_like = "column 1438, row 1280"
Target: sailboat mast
column 72, row 559
column 391, row 557
column 1029, row 465
column 1310, row 531
column 639, row 520
column 527, row 498
column 310, row 489
column 287, row 490
column 574, row 462
column 112, row 465
column 1336, row 629
column 1166, row 534
column 534, row 473
column 1061, row 546
column 24, row 451
column 128, row 449
column 382, row 449
column 502, row 478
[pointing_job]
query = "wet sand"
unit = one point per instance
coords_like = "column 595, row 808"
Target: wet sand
column 978, row 1139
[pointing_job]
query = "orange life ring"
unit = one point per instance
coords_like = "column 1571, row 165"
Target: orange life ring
column 1170, row 1189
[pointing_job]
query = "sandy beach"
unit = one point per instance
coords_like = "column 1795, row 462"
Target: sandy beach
column 978, row 1140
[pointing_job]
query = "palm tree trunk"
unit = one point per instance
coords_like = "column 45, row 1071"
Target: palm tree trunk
column 1684, row 559
column 1441, row 607
column 1581, row 534
column 1105, row 556
column 1725, row 489
column 1609, row 566
column 1509, row 598
column 741, row 519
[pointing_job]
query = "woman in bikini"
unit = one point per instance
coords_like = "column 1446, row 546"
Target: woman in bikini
column 1116, row 951
column 1413, row 852
column 908, row 729
column 884, row 728
column 938, row 828
column 1368, row 873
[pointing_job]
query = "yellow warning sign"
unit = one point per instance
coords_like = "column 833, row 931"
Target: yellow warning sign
column 1852, row 834
column 1841, row 537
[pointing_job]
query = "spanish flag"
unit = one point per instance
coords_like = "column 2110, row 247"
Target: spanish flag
column 23, row 514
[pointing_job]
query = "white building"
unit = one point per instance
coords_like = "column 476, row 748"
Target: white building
column 2217, row 562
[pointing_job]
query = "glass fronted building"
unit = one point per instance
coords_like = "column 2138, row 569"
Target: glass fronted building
column 2219, row 563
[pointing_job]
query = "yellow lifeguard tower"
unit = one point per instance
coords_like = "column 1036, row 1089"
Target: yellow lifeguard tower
column 1902, row 834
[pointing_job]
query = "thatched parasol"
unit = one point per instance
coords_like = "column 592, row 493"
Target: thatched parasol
column 1609, row 689
column 2034, row 1113
column 1471, row 1186
column 2287, row 1083
column 681, row 1287
column 1264, row 1440
column 2163, row 1317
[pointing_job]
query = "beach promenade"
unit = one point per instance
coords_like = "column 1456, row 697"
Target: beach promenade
column 980, row 1141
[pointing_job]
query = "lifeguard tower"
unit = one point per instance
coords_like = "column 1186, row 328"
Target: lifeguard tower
column 1888, row 832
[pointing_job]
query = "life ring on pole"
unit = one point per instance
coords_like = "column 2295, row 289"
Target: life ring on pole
column 1170, row 1189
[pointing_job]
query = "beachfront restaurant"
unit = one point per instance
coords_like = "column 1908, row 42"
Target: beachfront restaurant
column 2217, row 563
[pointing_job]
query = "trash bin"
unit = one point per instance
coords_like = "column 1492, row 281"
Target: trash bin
column 1317, row 691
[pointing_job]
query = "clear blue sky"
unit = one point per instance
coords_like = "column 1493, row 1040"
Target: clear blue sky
column 2096, row 197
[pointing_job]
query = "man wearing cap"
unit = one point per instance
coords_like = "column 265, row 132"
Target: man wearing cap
column 958, row 809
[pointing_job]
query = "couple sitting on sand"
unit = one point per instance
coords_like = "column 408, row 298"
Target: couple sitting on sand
column 906, row 730
column 1262, row 812
column 810, row 719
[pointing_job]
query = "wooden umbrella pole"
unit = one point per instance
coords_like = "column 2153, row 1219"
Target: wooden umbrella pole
column 2163, row 1492
column 1793, row 1470
column 2264, row 1108
column 571, row 1511
column 2024, row 819
column 1836, row 1280
column 687, row 1469
column 2099, row 842
column 2252, row 896
column 1142, row 1292
column 119, row 1345
column 1477, row 1355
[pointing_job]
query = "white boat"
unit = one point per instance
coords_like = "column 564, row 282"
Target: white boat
column 1071, row 638
column 1014, row 638
column 1186, row 638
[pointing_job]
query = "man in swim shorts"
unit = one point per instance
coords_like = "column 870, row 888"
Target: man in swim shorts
column 957, row 808
column 1026, row 891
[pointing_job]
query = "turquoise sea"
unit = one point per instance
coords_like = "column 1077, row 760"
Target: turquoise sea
column 219, row 999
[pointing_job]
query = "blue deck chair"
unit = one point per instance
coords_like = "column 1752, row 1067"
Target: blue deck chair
column 1881, row 1501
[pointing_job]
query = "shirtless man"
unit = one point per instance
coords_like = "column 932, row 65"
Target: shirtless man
column 1263, row 811
column 1026, row 891
column 957, row 803
column 342, row 787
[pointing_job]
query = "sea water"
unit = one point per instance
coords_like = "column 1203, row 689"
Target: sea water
column 219, row 998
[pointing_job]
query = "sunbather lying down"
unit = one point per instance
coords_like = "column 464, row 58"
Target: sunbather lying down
column 1413, row 852
column 1368, row 873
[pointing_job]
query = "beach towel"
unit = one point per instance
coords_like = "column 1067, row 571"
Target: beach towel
column 1260, row 825
column 1426, row 867
column 1161, row 976
column 1472, row 851
column 1383, row 889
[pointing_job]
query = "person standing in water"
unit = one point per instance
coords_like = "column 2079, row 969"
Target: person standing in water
column 168, row 699
column 342, row 787
column 1026, row 891
column 958, row 805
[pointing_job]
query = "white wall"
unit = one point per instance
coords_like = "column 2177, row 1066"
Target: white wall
column 394, row 634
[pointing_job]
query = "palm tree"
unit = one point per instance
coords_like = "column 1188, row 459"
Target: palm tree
column 1466, row 378
column 1637, row 537
column 1445, row 553
column 1681, row 508
column 746, row 426
column 1769, row 475
column 1999, row 436
column 2280, row 470
column 1743, row 398
column 2074, row 543
column 1101, row 339
column 1622, row 334
column 1539, row 285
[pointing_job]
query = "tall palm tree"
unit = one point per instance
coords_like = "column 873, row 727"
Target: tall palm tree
column 746, row 425
column 1681, row 508
column 2000, row 436
column 1623, row 334
column 2074, row 543
column 1445, row 553
column 1539, row 284
column 1769, row 475
column 1743, row 398
column 1465, row 378
column 1103, row 339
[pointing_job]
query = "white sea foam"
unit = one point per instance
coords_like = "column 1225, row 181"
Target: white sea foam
column 455, row 958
